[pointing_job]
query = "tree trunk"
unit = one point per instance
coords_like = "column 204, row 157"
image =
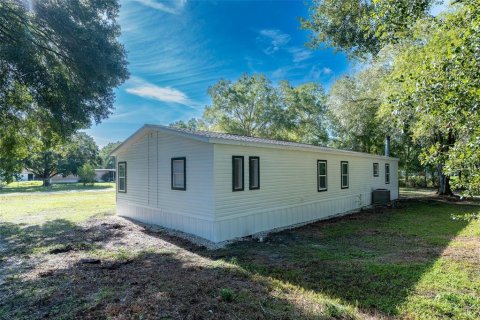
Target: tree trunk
column 443, row 182
column 46, row 182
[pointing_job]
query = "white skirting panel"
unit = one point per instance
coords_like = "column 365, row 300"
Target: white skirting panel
column 244, row 225
column 189, row 224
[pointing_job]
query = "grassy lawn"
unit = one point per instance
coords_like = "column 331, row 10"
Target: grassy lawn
column 416, row 192
column 36, row 186
column 415, row 262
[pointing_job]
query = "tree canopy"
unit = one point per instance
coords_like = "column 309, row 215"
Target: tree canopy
column 253, row 106
column 49, row 154
column 361, row 28
column 59, row 63
column 434, row 88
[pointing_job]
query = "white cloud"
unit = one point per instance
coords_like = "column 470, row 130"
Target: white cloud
column 173, row 7
column 275, row 39
column 300, row 54
column 151, row 91
column 316, row 72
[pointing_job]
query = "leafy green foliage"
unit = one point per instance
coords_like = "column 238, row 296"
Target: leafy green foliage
column 86, row 173
column 252, row 106
column 353, row 105
column 248, row 107
column 59, row 63
column 305, row 112
column 107, row 161
column 51, row 155
column 434, row 88
column 193, row 124
column 361, row 28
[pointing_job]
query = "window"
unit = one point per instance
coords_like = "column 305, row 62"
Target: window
column 122, row 177
column 179, row 174
column 344, row 174
column 254, row 172
column 375, row 169
column 387, row 173
column 237, row 173
column 322, row 175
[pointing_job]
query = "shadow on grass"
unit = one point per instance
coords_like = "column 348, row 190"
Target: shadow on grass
column 22, row 239
column 152, row 285
column 370, row 260
column 55, row 187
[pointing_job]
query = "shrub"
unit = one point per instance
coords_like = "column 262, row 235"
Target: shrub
column 86, row 174
column 226, row 294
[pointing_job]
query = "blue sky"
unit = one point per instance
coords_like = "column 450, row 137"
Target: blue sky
column 178, row 49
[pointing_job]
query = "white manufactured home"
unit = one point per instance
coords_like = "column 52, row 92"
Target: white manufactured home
column 221, row 186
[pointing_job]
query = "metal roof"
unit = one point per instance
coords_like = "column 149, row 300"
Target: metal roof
column 227, row 138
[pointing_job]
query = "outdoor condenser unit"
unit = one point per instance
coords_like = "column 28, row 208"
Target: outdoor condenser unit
column 380, row 197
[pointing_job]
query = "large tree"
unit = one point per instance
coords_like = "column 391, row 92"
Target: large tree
column 250, row 106
column 305, row 112
column 50, row 155
column 59, row 63
column 253, row 106
column 353, row 105
column 434, row 85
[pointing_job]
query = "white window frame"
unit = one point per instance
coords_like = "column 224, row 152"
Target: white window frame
column 320, row 189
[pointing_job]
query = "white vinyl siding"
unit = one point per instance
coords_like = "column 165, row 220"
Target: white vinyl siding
column 322, row 175
column 149, row 177
column 344, row 177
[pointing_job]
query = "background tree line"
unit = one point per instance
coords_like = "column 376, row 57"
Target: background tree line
column 418, row 83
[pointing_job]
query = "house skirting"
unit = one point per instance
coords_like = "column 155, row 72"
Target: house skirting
column 241, row 225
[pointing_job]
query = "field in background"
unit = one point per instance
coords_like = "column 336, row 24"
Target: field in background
column 420, row 261
column 36, row 186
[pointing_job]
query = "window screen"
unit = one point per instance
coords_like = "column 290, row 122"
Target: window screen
column 322, row 175
column 179, row 181
column 387, row 173
column 375, row 170
column 344, row 174
column 237, row 173
column 122, row 177
column 254, row 172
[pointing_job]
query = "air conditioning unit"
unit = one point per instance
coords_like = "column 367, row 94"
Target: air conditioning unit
column 380, row 197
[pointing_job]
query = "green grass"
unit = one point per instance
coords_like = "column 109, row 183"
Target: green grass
column 416, row 262
column 32, row 222
column 36, row 186
column 417, row 192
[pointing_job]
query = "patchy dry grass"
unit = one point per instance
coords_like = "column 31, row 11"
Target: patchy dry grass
column 414, row 263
